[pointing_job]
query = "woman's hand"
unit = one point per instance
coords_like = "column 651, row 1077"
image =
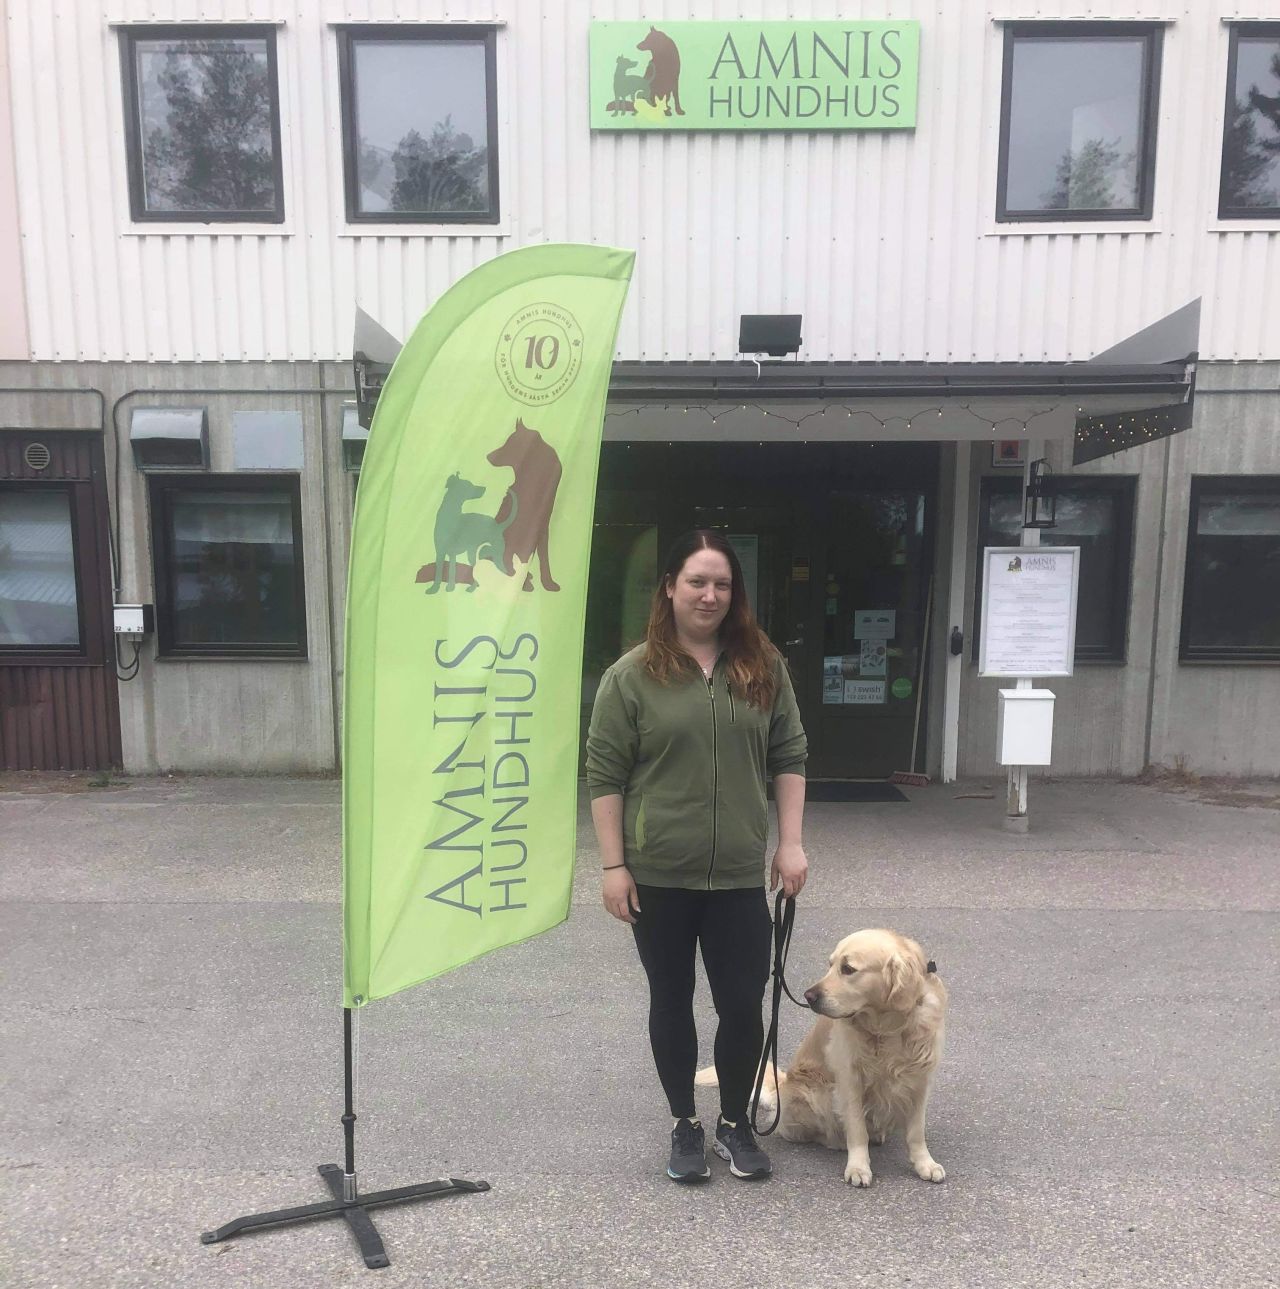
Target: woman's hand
column 619, row 894
column 790, row 867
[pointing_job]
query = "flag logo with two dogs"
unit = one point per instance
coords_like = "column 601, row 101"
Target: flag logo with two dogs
column 465, row 603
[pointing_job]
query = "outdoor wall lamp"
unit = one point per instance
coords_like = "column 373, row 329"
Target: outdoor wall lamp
column 1041, row 498
column 775, row 334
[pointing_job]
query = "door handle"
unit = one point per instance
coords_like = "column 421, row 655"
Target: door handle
column 789, row 643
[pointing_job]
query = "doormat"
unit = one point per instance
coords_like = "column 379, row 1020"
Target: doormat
column 849, row 790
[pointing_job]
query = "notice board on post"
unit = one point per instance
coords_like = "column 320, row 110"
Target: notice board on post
column 1029, row 598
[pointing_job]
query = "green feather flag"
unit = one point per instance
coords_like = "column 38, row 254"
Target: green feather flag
column 465, row 603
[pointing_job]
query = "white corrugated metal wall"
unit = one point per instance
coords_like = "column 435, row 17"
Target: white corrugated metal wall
column 886, row 242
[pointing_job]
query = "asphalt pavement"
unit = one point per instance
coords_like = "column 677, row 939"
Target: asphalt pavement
column 171, row 1054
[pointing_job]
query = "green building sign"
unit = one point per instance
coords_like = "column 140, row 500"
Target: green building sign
column 754, row 75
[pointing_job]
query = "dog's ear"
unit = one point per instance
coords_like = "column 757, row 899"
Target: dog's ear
column 906, row 982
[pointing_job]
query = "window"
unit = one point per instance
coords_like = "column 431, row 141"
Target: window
column 228, row 566
column 1094, row 514
column 419, row 120
column 1078, row 121
column 1251, row 133
column 202, row 117
column 1231, row 596
column 39, row 605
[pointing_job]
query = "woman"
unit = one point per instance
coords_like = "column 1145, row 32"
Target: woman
column 684, row 728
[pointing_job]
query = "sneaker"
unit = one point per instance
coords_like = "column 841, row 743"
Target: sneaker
column 688, row 1153
column 735, row 1143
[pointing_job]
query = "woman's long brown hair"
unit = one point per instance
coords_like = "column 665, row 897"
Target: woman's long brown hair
column 750, row 655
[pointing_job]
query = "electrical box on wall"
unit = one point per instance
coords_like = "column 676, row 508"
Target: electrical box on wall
column 1024, row 729
column 134, row 619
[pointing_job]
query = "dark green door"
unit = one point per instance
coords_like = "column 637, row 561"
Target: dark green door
column 836, row 544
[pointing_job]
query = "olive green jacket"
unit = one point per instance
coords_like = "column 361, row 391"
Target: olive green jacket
column 689, row 760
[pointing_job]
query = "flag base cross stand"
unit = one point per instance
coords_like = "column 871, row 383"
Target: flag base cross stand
column 347, row 1203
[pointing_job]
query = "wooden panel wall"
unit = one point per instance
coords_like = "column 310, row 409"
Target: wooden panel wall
column 61, row 711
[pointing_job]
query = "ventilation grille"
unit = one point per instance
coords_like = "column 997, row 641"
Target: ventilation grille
column 37, row 456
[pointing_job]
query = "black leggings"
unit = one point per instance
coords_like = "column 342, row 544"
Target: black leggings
column 734, row 930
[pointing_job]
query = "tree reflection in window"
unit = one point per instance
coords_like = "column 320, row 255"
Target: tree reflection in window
column 446, row 171
column 420, row 125
column 206, row 124
column 1251, row 141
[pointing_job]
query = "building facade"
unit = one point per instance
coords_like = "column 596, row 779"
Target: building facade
column 1010, row 234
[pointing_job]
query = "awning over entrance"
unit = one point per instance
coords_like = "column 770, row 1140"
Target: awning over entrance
column 875, row 401
column 1174, row 338
column 785, row 401
column 911, row 402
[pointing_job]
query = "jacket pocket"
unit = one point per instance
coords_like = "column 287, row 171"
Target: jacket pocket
column 744, row 834
column 676, row 830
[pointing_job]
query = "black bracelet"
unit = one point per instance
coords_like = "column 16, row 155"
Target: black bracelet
column 608, row 868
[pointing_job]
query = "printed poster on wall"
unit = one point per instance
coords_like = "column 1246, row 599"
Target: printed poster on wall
column 875, row 624
column 1029, row 610
column 874, row 658
column 864, row 691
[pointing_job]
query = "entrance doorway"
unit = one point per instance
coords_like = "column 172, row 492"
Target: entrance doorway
column 58, row 701
column 836, row 542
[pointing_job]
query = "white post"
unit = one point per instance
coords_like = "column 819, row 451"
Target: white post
column 1016, row 816
column 954, row 672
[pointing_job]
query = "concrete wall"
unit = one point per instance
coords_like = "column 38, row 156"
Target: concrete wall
column 1113, row 718
column 1216, row 718
column 260, row 716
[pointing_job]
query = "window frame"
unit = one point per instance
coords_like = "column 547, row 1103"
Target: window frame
column 1239, row 29
column 348, row 35
column 1237, row 654
column 1125, row 487
column 129, row 36
column 47, row 654
column 161, row 489
column 1149, row 97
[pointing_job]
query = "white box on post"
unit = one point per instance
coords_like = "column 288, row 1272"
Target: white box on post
column 1024, row 729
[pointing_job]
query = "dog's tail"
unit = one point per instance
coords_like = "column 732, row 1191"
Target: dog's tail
column 707, row 1078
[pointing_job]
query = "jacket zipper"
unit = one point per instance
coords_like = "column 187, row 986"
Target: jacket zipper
column 715, row 778
column 728, row 689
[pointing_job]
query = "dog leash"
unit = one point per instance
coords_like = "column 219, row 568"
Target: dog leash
column 784, row 917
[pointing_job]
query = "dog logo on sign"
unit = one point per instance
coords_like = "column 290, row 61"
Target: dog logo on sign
column 519, row 531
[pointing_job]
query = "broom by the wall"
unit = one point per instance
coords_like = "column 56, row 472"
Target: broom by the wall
column 910, row 777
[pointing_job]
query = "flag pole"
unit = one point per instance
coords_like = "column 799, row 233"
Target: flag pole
column 346, row 1202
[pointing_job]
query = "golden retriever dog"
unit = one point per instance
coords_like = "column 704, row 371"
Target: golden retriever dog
column 866, row 1066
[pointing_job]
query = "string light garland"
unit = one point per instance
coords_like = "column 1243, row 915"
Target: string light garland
column 715, row 412
column 1095, row 436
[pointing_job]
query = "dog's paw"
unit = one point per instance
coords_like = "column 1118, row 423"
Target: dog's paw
column 930, row 1170
column 857, row 1173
